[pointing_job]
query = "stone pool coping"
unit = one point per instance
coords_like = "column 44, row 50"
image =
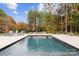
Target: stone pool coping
column 8, row 40
column 72, row 40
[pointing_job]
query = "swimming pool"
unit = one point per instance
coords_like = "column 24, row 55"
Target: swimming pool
column 39, row 45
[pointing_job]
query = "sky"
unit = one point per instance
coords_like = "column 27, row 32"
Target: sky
column 19, row 10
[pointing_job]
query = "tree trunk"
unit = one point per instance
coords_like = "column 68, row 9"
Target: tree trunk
column 61, row 25
column 35, row 26
column 66, row 18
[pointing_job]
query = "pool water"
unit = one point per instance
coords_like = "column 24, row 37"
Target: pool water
column 39, row 45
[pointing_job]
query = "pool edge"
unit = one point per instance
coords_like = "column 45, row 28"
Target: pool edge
column 38, row 35
column 11, row 44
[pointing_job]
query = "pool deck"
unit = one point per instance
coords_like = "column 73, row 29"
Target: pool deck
column 72, row 40
column 7, row 40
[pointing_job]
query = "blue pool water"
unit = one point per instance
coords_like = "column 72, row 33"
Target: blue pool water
column 39, row 45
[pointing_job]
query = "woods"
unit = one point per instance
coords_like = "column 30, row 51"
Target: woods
column 7, row 23
column 62, row 18
column 53, row 18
